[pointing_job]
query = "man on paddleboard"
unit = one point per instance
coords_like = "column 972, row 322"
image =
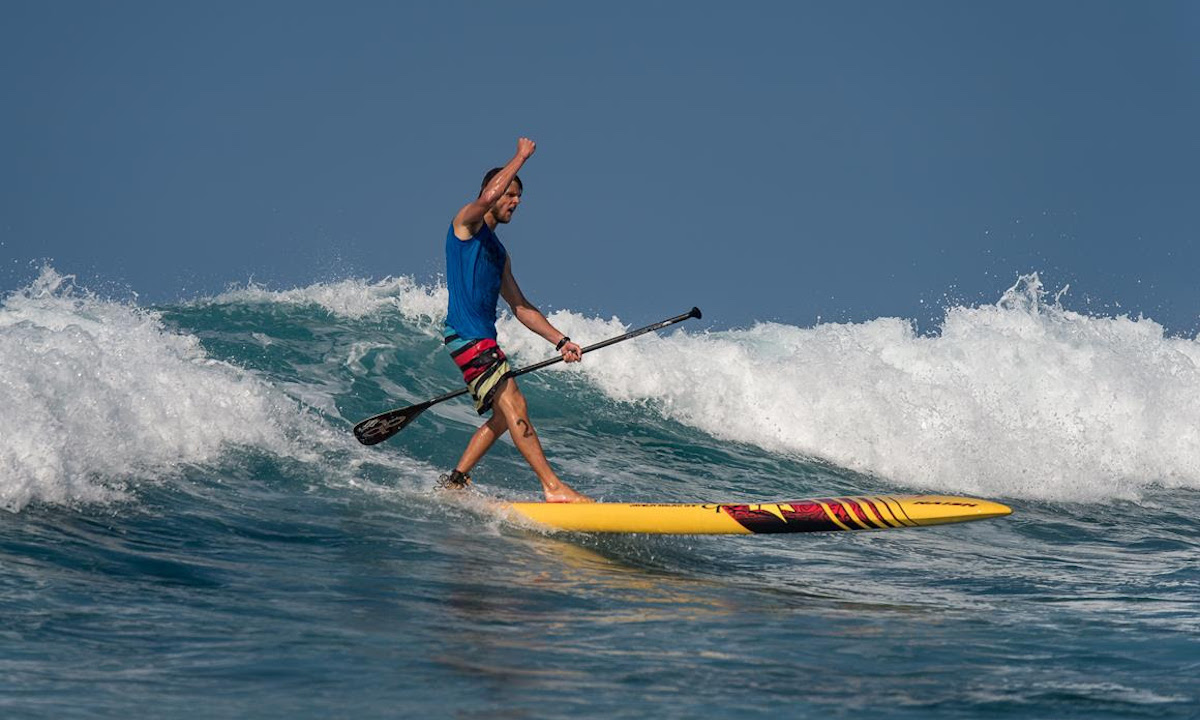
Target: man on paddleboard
column 478, row 273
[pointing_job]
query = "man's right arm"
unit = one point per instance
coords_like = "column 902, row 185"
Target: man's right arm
column 470, row 218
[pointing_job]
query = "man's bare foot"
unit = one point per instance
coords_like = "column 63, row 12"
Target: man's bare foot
column 564, row 494
column 454, row 480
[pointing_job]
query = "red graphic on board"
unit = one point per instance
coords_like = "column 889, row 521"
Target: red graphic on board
column 811, row 516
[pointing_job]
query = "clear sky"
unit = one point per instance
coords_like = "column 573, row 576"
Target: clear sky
column 765, row 161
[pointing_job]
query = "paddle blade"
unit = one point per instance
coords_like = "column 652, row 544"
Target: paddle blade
column 381, row 427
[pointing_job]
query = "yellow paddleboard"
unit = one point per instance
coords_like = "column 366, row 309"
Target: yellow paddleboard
column 870, row 512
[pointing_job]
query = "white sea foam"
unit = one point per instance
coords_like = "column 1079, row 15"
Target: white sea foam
column 95, row 395
column 1018, row 399
column 353, row 298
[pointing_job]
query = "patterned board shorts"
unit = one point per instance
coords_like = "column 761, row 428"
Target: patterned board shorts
column 483, row 366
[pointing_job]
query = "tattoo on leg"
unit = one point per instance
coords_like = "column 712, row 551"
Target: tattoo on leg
column 528, row 432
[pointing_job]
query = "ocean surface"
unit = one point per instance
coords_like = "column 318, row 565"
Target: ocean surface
column 192, row 531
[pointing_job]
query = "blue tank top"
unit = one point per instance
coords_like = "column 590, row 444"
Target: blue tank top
column 473, row 271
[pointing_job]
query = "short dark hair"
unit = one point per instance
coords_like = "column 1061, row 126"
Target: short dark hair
column 491, row 174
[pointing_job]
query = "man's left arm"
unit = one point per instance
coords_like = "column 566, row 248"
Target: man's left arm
column 533, row 318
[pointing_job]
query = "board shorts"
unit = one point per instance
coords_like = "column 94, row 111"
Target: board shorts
column 483, row 366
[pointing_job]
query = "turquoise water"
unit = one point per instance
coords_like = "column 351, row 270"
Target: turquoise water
column 192, row 531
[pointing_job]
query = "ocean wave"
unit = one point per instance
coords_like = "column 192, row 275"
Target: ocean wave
column 95, row 395
column 1020, row 399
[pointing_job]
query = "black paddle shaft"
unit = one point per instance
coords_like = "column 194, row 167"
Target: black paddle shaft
column 381, row 427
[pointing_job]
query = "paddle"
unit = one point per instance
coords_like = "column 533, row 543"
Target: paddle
column 383, row 426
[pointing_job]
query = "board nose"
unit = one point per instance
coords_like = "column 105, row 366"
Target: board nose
column 932, row 509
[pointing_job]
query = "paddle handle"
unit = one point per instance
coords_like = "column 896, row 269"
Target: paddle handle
column 693, row 313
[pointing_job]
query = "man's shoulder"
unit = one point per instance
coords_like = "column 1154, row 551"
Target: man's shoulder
column 458, row 230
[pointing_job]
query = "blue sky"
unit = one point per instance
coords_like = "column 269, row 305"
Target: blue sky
column 765, row 161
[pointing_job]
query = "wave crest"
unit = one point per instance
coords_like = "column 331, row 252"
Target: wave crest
column 351, row 298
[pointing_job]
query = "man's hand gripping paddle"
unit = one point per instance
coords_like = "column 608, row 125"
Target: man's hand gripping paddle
column 383, row 426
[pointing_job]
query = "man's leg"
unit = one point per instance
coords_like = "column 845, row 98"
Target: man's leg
column 482, row 441
column 509, row 404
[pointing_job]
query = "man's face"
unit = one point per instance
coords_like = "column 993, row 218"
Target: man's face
column 503, row 208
